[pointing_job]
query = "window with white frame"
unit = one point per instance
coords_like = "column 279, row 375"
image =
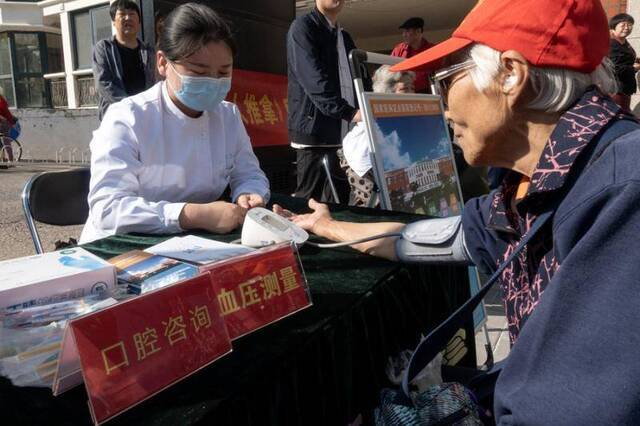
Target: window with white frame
column 89, row 27
column 6, row 74
column 30, row 87
column 24, row 59
column 55, row 57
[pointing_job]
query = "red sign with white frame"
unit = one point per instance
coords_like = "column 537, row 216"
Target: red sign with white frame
column 135, row 349
column 259, row 288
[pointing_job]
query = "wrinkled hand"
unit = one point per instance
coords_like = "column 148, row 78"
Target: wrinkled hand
column 248, row 201
column 308, row 221
column 218, row 217
column 279, row 210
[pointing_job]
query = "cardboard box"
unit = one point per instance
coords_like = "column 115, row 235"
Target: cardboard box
column 53, row 277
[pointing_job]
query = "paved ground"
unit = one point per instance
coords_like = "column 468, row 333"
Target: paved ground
column 15, row 241
column 497, row 329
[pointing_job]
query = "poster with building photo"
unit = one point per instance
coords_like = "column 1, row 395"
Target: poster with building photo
column 412, row 154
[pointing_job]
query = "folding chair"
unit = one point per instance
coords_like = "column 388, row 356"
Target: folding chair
column 56, row 198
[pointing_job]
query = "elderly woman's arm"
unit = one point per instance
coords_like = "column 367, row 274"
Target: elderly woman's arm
column 430, row 241
column 322, row 224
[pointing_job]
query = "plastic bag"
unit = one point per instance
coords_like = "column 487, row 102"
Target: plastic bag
column 31, row 338
column 15, row 130
column 429, row 376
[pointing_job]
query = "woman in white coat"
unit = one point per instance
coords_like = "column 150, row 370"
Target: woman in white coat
column 161, row 159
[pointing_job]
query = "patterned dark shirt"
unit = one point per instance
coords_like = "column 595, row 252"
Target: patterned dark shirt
column 525, row 280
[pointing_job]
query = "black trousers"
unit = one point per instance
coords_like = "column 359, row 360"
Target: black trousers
column 312, row 179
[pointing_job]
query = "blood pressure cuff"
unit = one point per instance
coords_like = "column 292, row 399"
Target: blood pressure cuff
column 433, row 241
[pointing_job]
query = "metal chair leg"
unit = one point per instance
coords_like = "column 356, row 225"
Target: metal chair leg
column 31, row 225
column 373, row 200
column 488, row 364
column 325, row 164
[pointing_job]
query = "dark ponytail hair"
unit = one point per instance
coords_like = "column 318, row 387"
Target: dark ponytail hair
column 191, row 26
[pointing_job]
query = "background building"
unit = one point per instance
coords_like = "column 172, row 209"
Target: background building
column 45, row 70
column 397, row 180
column 45, row 57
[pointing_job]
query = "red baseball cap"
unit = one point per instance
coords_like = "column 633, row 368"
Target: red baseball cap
column 571, row 34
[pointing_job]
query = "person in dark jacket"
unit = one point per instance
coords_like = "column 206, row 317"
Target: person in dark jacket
column 623, row 58
column 536, row 103
column 321, row 98
column 124, row 65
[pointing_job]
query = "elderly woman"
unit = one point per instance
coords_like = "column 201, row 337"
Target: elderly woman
column 527, row 91
column 623, row 58
column 161, row 159
column 355, row 155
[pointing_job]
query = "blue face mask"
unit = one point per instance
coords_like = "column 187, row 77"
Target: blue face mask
column 201, row 93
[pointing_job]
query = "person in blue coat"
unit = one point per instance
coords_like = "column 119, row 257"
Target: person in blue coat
column 527, row 91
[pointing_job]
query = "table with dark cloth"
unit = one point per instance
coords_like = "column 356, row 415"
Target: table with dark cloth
column 323, row 365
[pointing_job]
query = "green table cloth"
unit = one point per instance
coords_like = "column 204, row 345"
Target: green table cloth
column 324, row 365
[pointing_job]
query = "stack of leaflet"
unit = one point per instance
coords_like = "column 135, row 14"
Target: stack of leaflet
column 197, row 250
column 143, row 272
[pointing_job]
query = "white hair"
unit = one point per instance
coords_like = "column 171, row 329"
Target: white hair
column 556, row 88
column 384, row 80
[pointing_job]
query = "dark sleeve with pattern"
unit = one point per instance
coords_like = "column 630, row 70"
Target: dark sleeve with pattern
column 576, row 360
column 480, row 242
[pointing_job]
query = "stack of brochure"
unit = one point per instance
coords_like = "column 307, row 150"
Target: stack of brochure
column 143, row 271
column 197, row 250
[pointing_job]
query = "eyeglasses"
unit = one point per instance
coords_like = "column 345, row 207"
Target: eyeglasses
column 442, row 78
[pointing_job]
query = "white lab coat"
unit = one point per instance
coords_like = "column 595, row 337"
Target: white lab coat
column 148, row 159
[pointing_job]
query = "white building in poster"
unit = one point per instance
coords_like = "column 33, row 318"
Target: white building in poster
column 424, row 175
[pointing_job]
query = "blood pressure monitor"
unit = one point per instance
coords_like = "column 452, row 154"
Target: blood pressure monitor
column 263, row 227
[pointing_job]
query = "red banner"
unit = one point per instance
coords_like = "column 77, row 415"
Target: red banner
column 134, row 349
column 259, row 288
column 262, row 100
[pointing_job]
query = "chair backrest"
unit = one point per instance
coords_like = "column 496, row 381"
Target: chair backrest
column 56, row 198
column 59, row 197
